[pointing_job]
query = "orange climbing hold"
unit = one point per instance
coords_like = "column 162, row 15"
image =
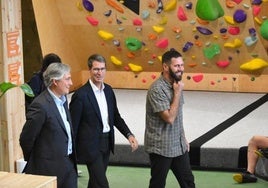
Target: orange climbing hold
column 192, row 64
column 152, row 36
column 130, row 55
column 230, row 3
column 202, row 22
column 115, row 5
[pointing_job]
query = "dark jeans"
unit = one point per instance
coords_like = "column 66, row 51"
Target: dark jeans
column 180, row 167
column 97, row 169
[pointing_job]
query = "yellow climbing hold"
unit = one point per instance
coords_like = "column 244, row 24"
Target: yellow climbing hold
column 135, row 68
column 158, row 29
column 171, row 5
column 79, row 5
column 115, row 60
column 229, row 20
column 254, row 65
column 235, row 44
column 163, row 20
column 105, row 35
column 257, row 20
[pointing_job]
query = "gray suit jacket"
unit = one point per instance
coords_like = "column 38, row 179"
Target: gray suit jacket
column 44, row 140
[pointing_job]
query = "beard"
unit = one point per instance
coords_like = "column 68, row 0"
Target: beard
column 174, row 76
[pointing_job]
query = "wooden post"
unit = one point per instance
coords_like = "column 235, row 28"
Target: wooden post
column 12, row 105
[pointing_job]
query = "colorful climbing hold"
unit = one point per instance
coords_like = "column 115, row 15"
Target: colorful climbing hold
column 160, row 6
column 233, row 30
column 92, row 20
column 115, row 5
column 264, row 30
column 229, row 20
column 187, row 46
column 88, row 5
column 162, row 43
column 137, row 22
column 181, row 14
column 254, row 65
column 135, row 68
column 240, row 16
column 116, row 61
column 158, row 29
column 249, row 41
column 133, row 44
column 209, row 9
column 256, row 10
column 235, row 44
column 188, row 5
column 198, row 77
column 105, row 35
column 145, row 14
column 204, row 30
column 163, row 21
column 211, row 51
column 223, row 63
column 171, row 5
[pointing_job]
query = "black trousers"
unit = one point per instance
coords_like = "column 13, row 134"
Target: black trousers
column 180, row 167
column 97, row 169
column 69, row 180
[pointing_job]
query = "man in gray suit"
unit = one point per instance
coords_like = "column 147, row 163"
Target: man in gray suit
column 47, row 137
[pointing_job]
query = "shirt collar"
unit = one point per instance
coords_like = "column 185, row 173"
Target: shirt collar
column 167, row 83
column 59, row 100
column 94, row 87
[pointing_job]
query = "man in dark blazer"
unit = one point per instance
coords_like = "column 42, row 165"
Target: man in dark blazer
column 47, row 137
column 37, row 82
column 94, row 114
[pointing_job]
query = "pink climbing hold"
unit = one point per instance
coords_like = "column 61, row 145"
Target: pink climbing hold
column 181, row 14
column 198, row 77
column 237, row 1
column 233, row 30
column 144, row 80
column 153, row 76
column 92, row 21
column 137, row 22
column 223, row 63
column 162, row 43
column 256, row 10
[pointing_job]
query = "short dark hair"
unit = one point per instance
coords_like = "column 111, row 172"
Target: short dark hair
column 168, row 55
column 48, row 59
column 95, row 57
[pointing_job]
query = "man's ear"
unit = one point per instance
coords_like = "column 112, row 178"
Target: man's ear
column 165, row 66
column 55, row 82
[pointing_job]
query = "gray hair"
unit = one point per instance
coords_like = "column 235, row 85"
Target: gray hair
column 55, row 71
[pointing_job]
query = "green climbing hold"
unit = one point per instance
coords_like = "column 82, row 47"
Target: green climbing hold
column 264, row 29
column 211, row 51
column 209, row 9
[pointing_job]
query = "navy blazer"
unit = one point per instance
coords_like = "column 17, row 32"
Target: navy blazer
column 87, row 122
column 44, row 140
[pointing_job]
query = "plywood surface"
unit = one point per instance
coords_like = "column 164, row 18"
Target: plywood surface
column 64, row 29
column 13, row 180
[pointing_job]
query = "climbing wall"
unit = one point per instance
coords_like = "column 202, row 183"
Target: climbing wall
column 224, row 43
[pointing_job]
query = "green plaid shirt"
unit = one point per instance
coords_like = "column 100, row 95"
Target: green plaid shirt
column 160, row 137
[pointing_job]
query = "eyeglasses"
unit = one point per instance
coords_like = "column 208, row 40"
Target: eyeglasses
column 99, row 69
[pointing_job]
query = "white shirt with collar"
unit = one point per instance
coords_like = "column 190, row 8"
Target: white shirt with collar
column 101, row 99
